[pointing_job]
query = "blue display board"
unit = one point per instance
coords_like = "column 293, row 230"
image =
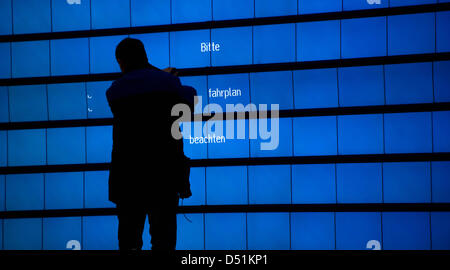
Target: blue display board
column 311, row 65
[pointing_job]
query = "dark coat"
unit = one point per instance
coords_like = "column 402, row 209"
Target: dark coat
column 147, row 164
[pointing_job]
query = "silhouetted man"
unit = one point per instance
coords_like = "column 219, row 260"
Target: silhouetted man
column 149, row 171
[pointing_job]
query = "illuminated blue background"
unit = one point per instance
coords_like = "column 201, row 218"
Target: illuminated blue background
column 312, row 88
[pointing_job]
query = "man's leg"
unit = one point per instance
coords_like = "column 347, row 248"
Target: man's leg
column 163, row 226
column 131, row 225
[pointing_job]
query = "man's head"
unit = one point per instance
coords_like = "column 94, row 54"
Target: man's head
column 131, row 55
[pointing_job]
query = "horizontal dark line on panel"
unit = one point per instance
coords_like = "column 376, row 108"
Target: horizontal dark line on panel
column 445, row 156
column 350, row 62
column 400, row 108
column 231, row 23
column 365, row 207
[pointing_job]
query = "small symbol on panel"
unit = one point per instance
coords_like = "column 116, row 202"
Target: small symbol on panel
column 373, row 245
column 73, row 245
column 89, row 96
column 76, row 2
column 371, row 2
column 90, row 110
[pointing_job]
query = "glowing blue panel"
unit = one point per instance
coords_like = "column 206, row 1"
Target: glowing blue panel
column 313, row 183
column 318, row 40
column 442, row 36
column 58, row 231
column 273, row 143
column 157, row 48
column 66, row 145
column 26, row 147
column 69, row 56
column 407, row 182
column 110, row 14
column 30, row 59
column 2, row 193
column 397, row 3
column 315, row 88
column 28, row 103
column 412, row 33
column 268, row 231
column 226, row 185
column 268, row 8
column 190, row 235
column 441, row 70
column 234, row 144
column 4, row 104
column 100, row 233
column 406, row 230
column 190, row 48
column 3, row 148
column 267, row 49
column 22, row 234
column 440, row 222
column 99, row 144
column 312, row 231
column 103, row 54
column 360, row 134
column 150, row 12
column 197, row 180
column 64, row 190
column 71, row 17
column 225, row 231
column 440, row 184
column 409, row 83
column 233, row 9
column 314, row 6
column 5, row 64
column 1, row 235
column 6, row 17
column 358, row 4
column 31, row 16
column 361, row 86
column 97, row 103
column 441, row 131
column 269, row 184
column 96, row 190
column 67, row 101
column 315, row 136
column 235, row 46
column 364, row 37
column 24, row 192
column 408, row 132
column 191, row 11
column 272, row 88
column 359, row 183
column 229, row 89
column 354, row 230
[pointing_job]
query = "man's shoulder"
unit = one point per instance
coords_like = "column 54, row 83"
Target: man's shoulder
column 140, row 81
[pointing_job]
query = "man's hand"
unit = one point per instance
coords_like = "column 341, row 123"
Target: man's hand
column 171, row 70
column 185, row 194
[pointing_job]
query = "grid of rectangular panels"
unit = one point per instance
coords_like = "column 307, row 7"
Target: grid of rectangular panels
column 242, row 231
column 388, row 182
column 394, row 84
column 39, row 16
column 308, row 41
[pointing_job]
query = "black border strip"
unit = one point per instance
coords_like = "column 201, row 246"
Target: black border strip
column 232, row 23
column 413, row 157
column 335, row 63
column 365, row 207
column 378, row 109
